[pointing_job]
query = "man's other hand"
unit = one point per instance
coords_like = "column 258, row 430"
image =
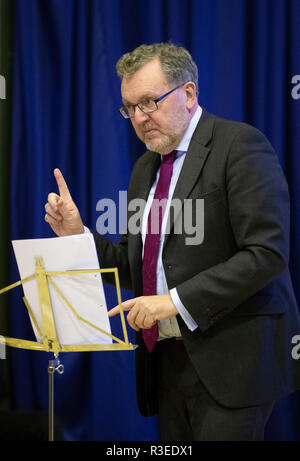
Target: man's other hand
column 145, row 311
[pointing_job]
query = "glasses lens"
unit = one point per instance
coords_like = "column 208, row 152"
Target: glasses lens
column 123, row 111
column 145, row 106
column 148, row 106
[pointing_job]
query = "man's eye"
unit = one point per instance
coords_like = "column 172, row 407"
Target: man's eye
column 147, row 103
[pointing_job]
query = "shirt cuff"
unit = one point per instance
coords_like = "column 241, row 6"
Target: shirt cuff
column 185, row 315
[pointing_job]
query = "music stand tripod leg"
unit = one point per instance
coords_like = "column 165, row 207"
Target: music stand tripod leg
column 53, row 366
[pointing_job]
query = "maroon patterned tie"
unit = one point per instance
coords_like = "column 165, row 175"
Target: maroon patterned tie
column 151, row 245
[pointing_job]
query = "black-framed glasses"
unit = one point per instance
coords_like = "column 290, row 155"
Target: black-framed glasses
column 147, row 106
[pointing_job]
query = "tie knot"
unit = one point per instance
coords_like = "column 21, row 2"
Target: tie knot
column 169, row 158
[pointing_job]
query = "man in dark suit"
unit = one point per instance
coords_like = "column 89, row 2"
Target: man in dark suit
column 223, row 303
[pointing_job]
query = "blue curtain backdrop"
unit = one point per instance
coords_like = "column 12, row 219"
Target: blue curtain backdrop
column 65, row 100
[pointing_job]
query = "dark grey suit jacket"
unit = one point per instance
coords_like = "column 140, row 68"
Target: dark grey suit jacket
column 236, row 283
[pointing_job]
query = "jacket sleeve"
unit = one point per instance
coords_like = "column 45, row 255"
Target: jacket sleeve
column 112, row 254
column 258, row 209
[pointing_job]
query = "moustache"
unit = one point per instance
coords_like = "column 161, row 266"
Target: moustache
column 147, row 127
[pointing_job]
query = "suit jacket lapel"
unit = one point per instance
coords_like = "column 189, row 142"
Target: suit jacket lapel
column 148, row 170
column 193, row 164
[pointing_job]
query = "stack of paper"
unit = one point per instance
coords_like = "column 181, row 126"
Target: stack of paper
column 84, row 291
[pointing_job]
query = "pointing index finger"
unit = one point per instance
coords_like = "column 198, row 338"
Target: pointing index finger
column 126, row 306
column 62, row 185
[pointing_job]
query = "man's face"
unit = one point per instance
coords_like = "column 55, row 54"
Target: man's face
column 163, row 129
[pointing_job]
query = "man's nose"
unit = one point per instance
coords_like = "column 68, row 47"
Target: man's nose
column 140, row 116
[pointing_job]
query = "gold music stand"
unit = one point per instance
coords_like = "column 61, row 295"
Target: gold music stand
column 48, row 334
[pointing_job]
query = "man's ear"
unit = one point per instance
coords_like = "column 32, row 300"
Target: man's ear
column 191, row 96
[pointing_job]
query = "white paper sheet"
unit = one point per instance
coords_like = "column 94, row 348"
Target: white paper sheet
column 84, row 291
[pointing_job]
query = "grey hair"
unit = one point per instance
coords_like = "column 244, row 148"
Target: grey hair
column 176, row 62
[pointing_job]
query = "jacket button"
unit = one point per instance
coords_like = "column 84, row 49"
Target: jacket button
column 169, row 266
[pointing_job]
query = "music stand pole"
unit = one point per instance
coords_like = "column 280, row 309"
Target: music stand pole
column 54, row 365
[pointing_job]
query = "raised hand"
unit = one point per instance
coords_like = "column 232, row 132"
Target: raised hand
column 61, row 212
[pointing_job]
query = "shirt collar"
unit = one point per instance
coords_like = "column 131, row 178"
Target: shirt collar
column 185, row 142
